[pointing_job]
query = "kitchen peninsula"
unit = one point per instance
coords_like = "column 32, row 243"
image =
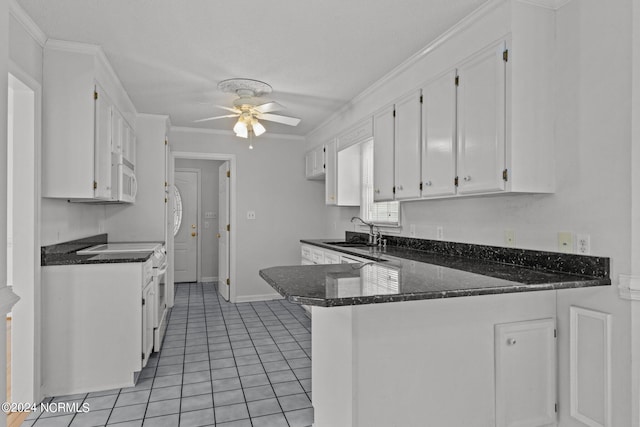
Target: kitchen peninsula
column 471, row 341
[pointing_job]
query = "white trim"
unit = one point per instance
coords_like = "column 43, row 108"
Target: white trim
column 548, row 4
column 458, row 27
column 27, row 23
column 7, row 300
column 231, row 158
column 36, row 87
column 629, row 287
column 575, row 313
column 209, row 279
column 255, row 298
column 266, row 135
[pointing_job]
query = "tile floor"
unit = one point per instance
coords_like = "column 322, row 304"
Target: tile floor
column 221, row 364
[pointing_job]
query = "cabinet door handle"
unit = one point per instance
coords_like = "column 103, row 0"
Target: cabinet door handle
column 399, row 188
column 194, row 234
column 467, row 178
column 427, row 183
column 511, row 341
column 378, row 191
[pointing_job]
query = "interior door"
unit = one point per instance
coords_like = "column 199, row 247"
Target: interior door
column 186, row 240
column 224, row 179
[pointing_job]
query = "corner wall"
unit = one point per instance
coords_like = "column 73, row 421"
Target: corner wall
column 271, row 182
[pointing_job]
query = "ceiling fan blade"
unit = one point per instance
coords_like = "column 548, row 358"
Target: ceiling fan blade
column 268, row 107
column 291, row 121
column 216, row 118
column 233, row 110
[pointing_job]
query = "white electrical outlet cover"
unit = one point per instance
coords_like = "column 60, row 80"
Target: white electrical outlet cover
column 440, row 232
column 583, row 244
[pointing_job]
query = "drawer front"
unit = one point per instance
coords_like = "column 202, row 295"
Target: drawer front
column 317, row 256
column 331, row 258
column 306, row 252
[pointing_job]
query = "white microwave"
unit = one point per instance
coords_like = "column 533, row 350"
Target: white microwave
column 127, row 184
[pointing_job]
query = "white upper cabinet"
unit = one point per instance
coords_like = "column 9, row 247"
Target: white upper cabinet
column 331, row 173
column 407, row 147
column 481, row 121
column 491, row 134
column 81, row 97
column 383, row 136
column 438, row 136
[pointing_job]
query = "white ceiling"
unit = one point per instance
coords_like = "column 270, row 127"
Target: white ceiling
column 316, row 54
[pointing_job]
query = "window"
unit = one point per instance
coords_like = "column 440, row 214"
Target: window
column 382, row 213
column 177, row 210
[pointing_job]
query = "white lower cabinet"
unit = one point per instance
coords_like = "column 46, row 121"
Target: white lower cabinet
column 91, row 310
column 148, row 302
column 525, row 354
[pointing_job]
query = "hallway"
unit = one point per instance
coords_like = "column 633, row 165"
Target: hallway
column 221, row 364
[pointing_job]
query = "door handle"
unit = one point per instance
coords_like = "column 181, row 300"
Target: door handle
column 194, row 234
column 218, row 235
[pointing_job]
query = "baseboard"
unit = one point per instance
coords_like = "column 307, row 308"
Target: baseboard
column 255, row 298
column 209, row 279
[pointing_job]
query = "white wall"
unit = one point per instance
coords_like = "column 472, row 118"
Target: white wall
column 4, row 69
column 270, row 181
column 208, row 203
column 593, row 174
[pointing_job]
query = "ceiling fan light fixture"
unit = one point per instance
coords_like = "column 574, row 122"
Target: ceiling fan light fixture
column 257, row 127
column 241, row 128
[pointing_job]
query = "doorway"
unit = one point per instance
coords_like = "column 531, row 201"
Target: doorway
column 23, row 237
column 202, row 200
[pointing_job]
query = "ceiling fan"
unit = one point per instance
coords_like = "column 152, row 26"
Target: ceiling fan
column 249, row 107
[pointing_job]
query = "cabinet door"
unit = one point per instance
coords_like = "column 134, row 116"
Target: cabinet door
column 116, row 131
column 525, row 373
column 102, row 141
column 481, row 122
column 383, row 134
column 309, row 164
column 407, row 147
column 319, row 163
column 331, row 187
column 148, row 298
column 438, row 136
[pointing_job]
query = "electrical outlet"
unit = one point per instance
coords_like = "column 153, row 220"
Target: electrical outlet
column 412, row 230
column 583, row 244
column 251, row 215
column 510, row 238
column 440, row 232
column 565, row 242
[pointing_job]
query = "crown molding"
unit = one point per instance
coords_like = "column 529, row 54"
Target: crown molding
column 267, row 135
column 27, row 23
column 153, row 116
column 548, row 4
column 412, row 60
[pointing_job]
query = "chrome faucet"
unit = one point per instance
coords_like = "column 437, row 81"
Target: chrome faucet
column 374, row 238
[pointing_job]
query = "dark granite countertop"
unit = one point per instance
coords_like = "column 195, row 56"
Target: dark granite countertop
column 65, row 253
column 414, row 269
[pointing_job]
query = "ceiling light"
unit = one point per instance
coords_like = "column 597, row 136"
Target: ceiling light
column 241, row 129
column 258, row 129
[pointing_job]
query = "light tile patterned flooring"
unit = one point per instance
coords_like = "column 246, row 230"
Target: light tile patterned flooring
column 221, row 364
